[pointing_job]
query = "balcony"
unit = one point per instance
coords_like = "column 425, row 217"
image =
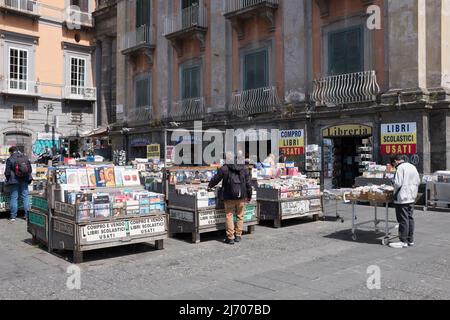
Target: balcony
column 192, row 22
column 139, row 116
column 344, row 89
column 27, row 8
column 80, row 93
column 140, row 40
column 188, row 109
column 102, row 4
column 76, row 19
column 20, row 88
column 256, row 101
column 237, row 11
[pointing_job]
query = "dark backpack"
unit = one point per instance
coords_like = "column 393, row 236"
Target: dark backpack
column 21, row 166
column 235, row 184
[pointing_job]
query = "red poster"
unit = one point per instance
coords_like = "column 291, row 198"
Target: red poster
column 295, row 151
column 402, row 149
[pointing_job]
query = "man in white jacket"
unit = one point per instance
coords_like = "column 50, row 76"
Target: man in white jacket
column 406, row 187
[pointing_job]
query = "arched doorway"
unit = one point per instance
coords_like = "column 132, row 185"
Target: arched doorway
column 22, row 140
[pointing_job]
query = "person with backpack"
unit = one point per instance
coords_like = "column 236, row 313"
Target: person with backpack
column 236, row 190
column 18, row 176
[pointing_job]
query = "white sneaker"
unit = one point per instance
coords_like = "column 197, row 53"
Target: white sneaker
column 411, row 244
column 398, row 245
column 12, row 220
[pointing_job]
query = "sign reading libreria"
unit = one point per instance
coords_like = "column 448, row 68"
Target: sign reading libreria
column 292, row 142
column 399, row 138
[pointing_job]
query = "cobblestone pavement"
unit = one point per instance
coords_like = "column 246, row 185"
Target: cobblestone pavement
column 302, row 260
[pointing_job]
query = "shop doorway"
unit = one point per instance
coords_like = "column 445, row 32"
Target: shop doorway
column 346, row 151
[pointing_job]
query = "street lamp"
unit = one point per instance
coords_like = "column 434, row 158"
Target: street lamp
column 49, row 109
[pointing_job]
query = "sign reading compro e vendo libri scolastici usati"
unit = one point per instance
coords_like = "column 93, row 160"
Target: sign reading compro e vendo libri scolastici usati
column 399, row 138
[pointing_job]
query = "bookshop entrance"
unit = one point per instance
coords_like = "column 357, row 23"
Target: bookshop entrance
column 346, row 149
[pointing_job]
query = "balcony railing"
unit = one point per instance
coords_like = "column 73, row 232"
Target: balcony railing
column 139, row 115
column 188, row 109
column 25, row 6
column 238, row 5
column 80, row 93
column 75, row 19
column 100, row 4
column 20, row 87
column 349, row 88
column 140, row 36
column 249, row 102
column 194, row 16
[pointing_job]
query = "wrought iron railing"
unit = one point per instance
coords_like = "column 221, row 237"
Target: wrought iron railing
column 193, row 16
column 75, row 18
column 141, row 35
column 261, row 100
column 100, row 4
column 237, row 5
column 188, row 109
column 139, row 115
column 346, row 89
column 27, row 6
column 80, row 93
column 22, row 87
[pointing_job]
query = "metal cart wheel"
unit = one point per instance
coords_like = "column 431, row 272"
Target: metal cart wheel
column 385, row 241
column 342, row 220
column 354, row 237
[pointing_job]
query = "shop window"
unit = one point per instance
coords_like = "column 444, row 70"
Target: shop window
column 142, row 13
column 346, row 51
column 143, row 92
column 82, row 4
column 18, row 69
column 256, row 70
column 191, row 84
column 18, row 113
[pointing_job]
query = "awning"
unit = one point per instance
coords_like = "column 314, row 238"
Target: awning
column 99, row 132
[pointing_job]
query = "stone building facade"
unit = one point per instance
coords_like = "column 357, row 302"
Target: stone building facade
column 329, row 67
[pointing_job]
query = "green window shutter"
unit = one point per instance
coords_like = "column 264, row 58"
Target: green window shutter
column 256, row 73
column 142, row 13
column 188, row 3
column 346, row 52
column 142, row 92
column 191, row 83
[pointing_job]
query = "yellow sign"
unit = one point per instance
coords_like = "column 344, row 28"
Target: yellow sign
column 292, row 142
column 153, row 151
column 347, row 130
column 399, row 138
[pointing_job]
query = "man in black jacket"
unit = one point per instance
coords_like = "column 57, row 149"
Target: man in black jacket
column 18, row 177
column 237, row 190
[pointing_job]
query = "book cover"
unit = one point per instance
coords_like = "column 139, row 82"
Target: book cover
column 72, row 178
column 102, row 206
column 92, row 181
column 110, row 177
column 61, row 177
column 85, row 206
column 126, row 177
column 83, row 177
column 118, row 171
column 100, row 177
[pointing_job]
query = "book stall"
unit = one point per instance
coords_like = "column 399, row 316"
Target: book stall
column 283, row 193
column 437, row 195
column 375, row 196
column 99, row 206
column 151, row 173
column 193, row 209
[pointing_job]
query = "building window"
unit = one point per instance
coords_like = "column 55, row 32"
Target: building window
column 191, row 85
column 346, row 51
column 142, row 13
column 142, row 92
column 256, row 70
column 18, row 113
column 76, row 117
column 189, row 3
column 77, row 75
column 18, row 69
column 82, row 4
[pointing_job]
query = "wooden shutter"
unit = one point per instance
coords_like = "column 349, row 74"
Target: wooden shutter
column 346, row 52
column 143, row 92
column 256, row 70
column 142, row 13
column 191, row 86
